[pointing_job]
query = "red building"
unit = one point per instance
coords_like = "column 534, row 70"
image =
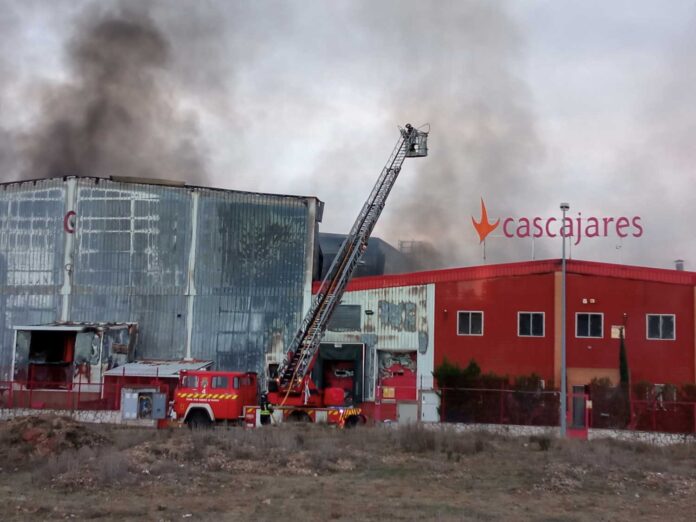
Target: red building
column 507, row 318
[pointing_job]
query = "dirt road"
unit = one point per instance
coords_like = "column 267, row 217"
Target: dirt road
column 55, row 469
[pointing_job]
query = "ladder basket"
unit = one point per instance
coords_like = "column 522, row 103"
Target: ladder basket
column 419, row 146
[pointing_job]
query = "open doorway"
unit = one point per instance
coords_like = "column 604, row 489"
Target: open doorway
column 341, row 366
column 50, row 358
column 61, row 356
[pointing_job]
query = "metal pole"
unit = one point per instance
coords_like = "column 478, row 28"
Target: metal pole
column 564, row 396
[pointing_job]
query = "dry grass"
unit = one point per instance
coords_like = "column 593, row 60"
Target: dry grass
column 279, row 471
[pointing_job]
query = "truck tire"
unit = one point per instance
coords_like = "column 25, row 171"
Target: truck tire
column 198, row 419
column 355, row 420
column 299, row 417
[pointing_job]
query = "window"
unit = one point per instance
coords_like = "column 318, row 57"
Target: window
column 219, row 382
column 589, row 325
column 235, row 383
column 530, row 324
column 189, row 381
column 346, row 318
column 470, row 323
column 660, row 326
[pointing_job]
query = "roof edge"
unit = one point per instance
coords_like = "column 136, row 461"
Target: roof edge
column 579, row 267
column 153, row 182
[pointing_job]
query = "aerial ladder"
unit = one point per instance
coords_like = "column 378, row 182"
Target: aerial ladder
column 294, row 373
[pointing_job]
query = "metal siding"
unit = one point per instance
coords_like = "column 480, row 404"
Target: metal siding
column 131, row 260
column 400, row 322
column 31, row 257
column 249, row 277
column 131, row 239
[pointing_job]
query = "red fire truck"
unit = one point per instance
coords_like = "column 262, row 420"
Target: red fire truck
column 207, row 397
column 204, row 397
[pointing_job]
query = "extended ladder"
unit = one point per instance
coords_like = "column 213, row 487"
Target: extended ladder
column 295, row 369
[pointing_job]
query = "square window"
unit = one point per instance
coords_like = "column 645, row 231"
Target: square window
column 470, row 323
column 660, row 326
column 530, row 324
column 219, row 382
column 589, row 325
column 346, row 318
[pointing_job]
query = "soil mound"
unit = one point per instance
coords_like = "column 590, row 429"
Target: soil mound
column 34, row 436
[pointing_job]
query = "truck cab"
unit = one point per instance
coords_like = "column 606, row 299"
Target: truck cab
column 204, row 397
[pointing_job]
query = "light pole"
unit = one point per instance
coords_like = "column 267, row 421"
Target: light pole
column 564, row 395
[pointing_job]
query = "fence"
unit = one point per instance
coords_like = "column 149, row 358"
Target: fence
column 73, row 396
column 611, row 408
column 490, row 406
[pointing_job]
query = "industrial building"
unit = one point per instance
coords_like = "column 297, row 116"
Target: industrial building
column 507, row 318
column 99, row 272
column 198, row 272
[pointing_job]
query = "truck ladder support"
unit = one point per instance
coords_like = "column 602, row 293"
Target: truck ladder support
column 295, row 369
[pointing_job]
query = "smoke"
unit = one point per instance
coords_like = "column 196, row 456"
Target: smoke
column 8, row 158
column 456, row 66
column 119, row 112
column 304, row 97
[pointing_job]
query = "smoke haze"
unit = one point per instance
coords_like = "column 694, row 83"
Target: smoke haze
column 529, row 106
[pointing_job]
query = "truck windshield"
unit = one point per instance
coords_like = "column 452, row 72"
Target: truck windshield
column 189, row 381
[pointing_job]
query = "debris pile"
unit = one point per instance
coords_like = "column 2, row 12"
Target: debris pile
column 29, row 437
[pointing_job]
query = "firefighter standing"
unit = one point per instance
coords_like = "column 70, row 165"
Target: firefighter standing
column 266, row 410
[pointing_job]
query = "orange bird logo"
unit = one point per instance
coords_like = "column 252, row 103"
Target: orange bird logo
column 484, row 227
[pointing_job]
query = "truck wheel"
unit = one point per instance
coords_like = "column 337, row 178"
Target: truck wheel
column 354, row 420
column 299, row 416
column 198, row 419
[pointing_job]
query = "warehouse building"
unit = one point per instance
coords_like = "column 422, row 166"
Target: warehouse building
column 507, row 318
column 198, row 272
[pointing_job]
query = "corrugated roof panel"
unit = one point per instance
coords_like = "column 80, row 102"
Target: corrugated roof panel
column 156, row 368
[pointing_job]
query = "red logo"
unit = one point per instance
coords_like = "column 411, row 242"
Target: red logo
column 484, row 227
column 575, row 227
column 69, row 222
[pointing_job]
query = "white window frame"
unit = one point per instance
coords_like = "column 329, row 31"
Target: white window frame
column 483, row 323
column 543, row 324
column 647, row 336
column 588, row 336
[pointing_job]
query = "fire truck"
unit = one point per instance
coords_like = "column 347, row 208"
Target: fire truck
column 205, row 397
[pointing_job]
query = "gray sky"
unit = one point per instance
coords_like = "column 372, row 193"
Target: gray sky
column 531, row 103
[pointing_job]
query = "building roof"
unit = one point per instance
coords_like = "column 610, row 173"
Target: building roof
column 72, row 326
column 155, row 181
column 164, row 369
column 546, row 266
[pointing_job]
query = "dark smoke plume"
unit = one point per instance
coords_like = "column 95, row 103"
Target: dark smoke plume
column 118, row 115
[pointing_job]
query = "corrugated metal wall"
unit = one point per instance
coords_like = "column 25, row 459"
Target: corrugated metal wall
column 249, row 275
column 130, row 259
column 31, row 258
column 401, row 320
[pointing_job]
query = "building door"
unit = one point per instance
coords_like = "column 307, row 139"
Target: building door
column 430, row 404
column 578, row 407
column 406, row 412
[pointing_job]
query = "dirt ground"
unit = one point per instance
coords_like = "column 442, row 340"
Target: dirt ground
column 52, row 468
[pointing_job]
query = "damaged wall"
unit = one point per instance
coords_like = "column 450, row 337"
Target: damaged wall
column 206, row 273
column 398, row 319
